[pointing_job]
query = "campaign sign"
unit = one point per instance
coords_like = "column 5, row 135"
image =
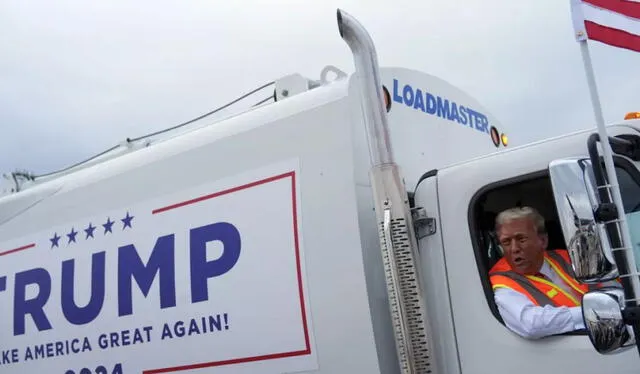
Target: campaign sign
column 209, row 279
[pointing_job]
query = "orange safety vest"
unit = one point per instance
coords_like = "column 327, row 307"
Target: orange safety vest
column 540, row 291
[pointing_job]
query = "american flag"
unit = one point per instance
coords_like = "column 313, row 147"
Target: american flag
column 612, row 22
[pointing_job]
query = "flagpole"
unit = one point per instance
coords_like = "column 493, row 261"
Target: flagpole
column 633, row 294
column 593, row 88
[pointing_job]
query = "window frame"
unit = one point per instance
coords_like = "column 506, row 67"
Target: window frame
column 475, row 233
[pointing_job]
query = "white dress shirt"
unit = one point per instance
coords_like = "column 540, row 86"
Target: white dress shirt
column 534, row 322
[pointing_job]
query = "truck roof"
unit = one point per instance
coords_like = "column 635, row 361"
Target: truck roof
column 428, row 116
column 579, row 135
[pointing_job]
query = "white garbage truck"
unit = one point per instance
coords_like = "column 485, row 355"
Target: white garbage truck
column 345, row 227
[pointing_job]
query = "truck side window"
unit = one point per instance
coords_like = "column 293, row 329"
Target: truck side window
column 629, row 180
column 529, row 190
column 535, row 190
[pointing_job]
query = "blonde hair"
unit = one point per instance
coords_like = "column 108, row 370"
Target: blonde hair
column 520, row 213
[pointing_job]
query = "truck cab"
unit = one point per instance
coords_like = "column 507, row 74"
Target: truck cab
column 463, row 201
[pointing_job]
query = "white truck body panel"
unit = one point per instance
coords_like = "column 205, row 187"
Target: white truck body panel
column 444, row 127
column 209, row 160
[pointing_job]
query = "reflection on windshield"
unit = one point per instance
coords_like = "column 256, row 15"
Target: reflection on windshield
column 633, row 220
column 630, row 193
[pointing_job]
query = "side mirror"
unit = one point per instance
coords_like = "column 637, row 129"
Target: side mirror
column 574, row 189
column 602, row 313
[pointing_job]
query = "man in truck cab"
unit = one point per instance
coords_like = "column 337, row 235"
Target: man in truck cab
column 534, row 288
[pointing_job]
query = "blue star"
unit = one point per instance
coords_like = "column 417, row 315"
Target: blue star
column 89, row 231
column 127, row 221
column 107, row 226
column 54, row 240
column 72, row 235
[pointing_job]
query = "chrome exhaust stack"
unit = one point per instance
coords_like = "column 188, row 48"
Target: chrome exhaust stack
column 397, row 237
column 367, row 71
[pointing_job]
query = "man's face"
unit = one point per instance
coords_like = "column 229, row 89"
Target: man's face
column 523, row 246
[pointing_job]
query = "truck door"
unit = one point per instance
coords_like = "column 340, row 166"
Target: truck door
column 469, row 196
column 434, row 270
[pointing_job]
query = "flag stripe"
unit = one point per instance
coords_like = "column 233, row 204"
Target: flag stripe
column 612, row 36
column 610, row 19
column 624, row 7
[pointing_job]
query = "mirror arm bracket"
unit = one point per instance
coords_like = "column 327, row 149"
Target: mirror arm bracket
column 631, row 315
column 626, row 145
column 606, row 212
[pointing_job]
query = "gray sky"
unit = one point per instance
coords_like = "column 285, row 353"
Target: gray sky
column 78, row 77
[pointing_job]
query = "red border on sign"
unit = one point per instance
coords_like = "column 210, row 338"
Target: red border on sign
column 17, row 249
column 307, row 348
